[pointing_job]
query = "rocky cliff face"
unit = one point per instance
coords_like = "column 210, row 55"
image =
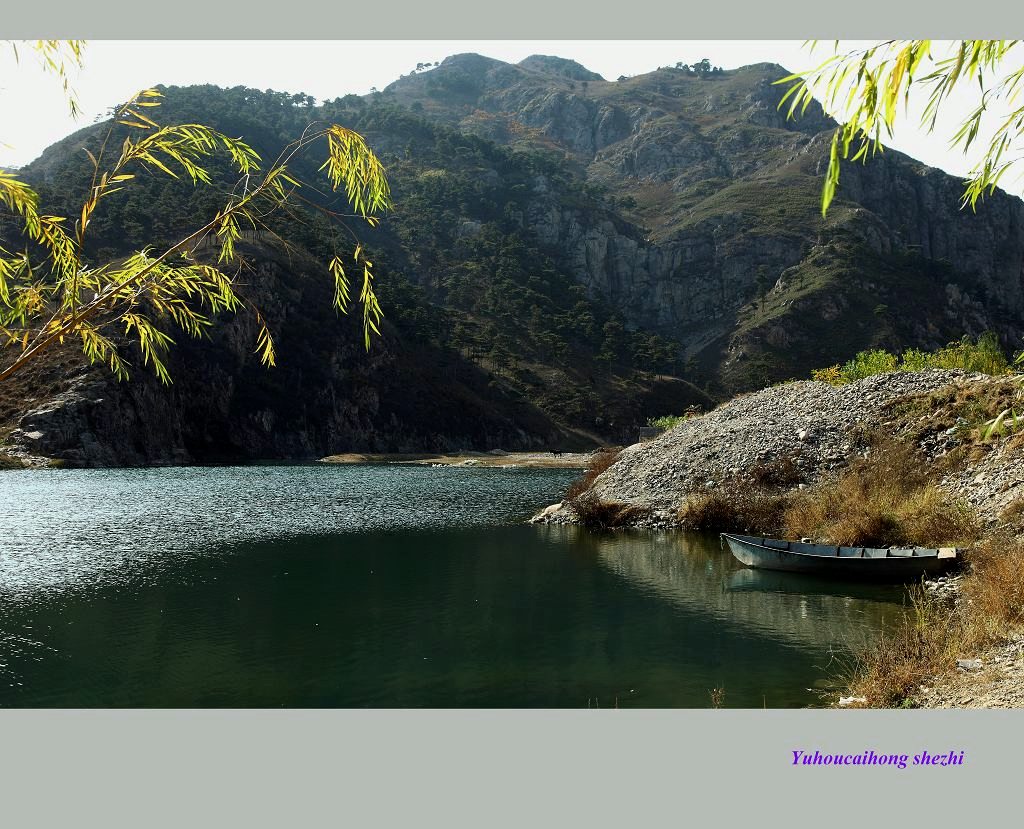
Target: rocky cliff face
column 916, row 208
column 714, row 198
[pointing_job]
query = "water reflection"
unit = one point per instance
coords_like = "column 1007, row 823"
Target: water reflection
column 393, row 587
column 691, row 571
column 85, row 529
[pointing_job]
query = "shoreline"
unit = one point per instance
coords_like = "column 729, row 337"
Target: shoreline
column 492, row 460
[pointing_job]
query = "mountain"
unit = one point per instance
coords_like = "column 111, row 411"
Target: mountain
column 568, row 256
column 722, row 247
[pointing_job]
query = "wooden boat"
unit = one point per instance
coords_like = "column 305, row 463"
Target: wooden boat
column 886, row 564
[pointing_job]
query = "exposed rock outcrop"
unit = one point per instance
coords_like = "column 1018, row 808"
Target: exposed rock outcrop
column 726, row 191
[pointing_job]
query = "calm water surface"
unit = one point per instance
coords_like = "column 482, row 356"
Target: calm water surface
column 387, row 587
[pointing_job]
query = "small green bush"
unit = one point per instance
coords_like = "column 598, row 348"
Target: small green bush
column 985, row 356
column 670, row 421
column 665, row 421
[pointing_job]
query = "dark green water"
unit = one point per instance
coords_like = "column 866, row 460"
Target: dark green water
column 386, row 587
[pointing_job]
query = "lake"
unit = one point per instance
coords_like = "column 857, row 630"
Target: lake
column 388, row 586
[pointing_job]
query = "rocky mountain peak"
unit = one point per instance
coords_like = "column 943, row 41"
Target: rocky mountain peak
column 471, row 62
column 563, row 67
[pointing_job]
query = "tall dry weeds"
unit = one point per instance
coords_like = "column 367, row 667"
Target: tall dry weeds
column 937, row 631
column 598, row 463
column 994, row 589
column 745, row 510
column 591, row 511
column 885, row 499
column 597, row 514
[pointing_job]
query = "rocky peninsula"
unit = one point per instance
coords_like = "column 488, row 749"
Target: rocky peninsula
column 777, row 455
column 814, row 428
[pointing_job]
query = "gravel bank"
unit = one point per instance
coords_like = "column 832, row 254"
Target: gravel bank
column 991, row 484
column 816, row 425
column 995, row 679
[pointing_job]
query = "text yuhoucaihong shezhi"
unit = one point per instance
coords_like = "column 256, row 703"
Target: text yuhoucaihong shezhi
column 873, row 758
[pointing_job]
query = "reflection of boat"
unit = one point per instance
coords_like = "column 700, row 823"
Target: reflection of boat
column 885, row 564
column 690, row 572
column 747, row 580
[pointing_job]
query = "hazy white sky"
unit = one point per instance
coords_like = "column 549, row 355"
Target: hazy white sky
column 33, row 113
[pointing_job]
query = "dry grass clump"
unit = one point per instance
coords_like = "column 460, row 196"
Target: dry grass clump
column 597, row 464
column 995, row 587
column 717, row 697
column 964, row 409
column 591, row 511
column 890, row 672
column 937, row 632
column 781, row 473
column 885, row 499
column 597, row 514
column 10, row 462
column 1014, row 512
column 745, row 510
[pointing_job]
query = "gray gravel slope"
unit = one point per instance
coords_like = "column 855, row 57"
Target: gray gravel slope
column 813, row 423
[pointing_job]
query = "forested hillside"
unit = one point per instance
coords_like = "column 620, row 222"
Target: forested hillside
column 568, row 256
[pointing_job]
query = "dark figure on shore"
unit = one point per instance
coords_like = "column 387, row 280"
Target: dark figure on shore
column 555, row 452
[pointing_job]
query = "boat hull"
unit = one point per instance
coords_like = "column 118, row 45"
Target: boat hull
column 893, row 564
